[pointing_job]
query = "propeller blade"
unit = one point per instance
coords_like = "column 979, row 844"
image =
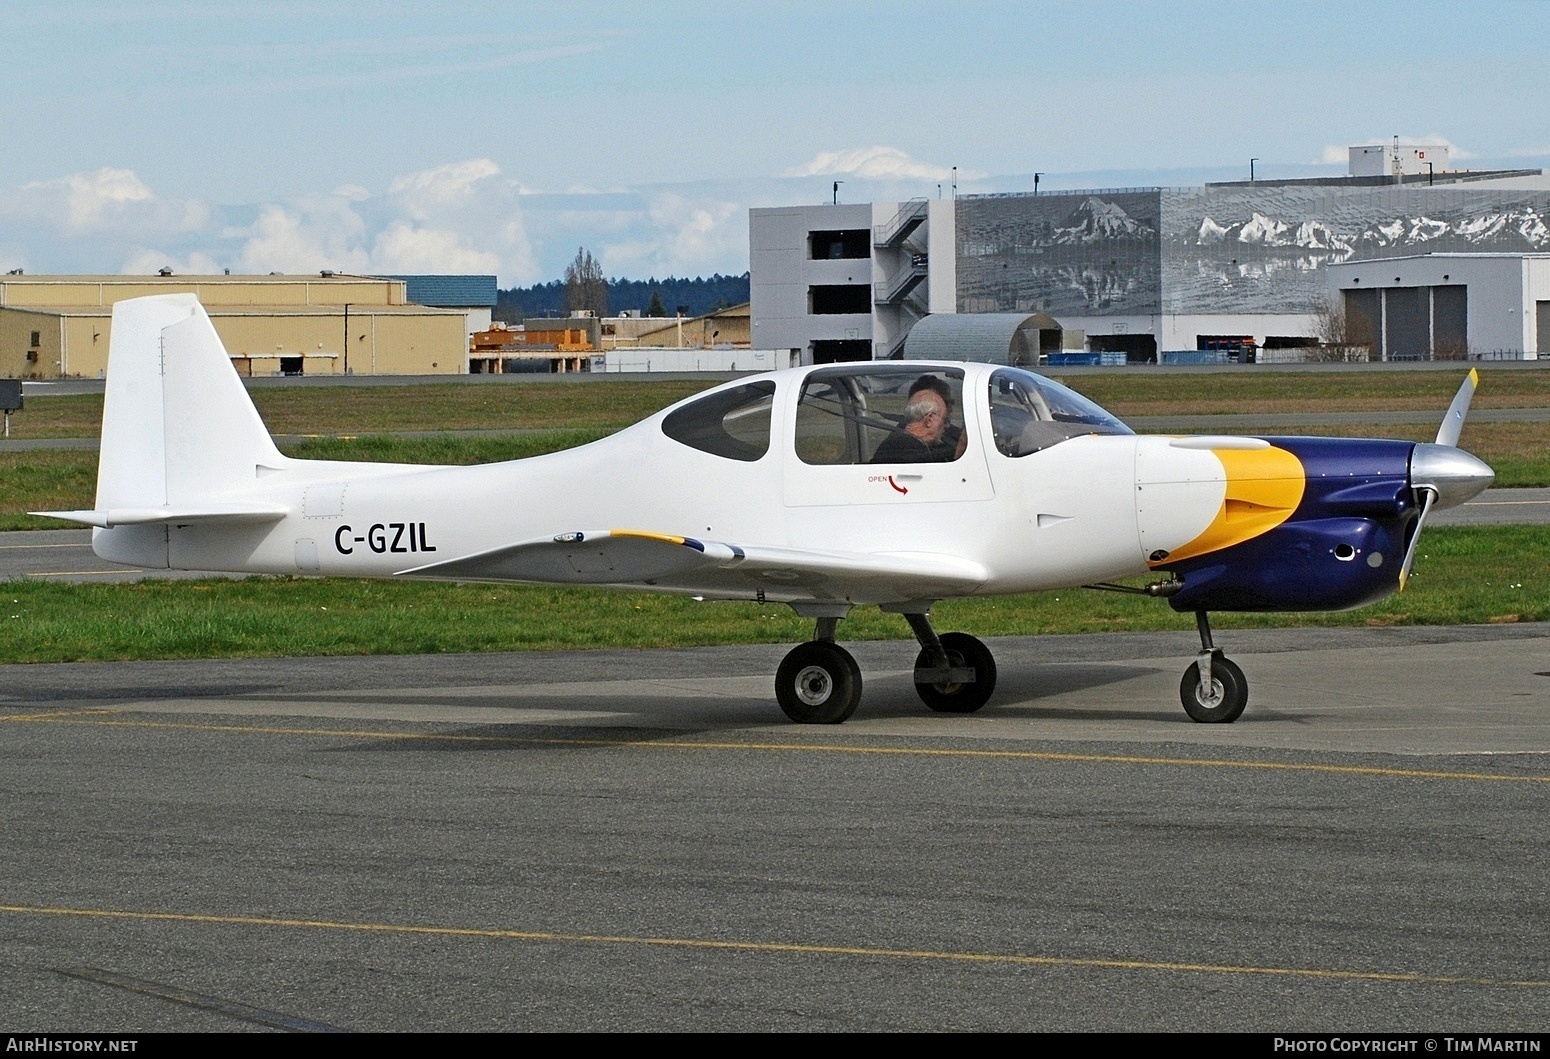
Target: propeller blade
column 1453, row 422
column 1429, row 496
column 1442, row 472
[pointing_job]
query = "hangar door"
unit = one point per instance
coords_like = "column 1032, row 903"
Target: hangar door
column 1410, row 323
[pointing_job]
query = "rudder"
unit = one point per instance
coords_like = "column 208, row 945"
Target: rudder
column 180, row 436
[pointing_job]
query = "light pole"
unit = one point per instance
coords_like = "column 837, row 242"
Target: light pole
column 1251, row 169
column 1036, row 177
column 837, row 184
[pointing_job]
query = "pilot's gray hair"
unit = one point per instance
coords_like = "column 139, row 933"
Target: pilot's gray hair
column 917, row 410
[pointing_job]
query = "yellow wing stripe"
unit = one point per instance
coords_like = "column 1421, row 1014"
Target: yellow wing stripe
column 666, row 538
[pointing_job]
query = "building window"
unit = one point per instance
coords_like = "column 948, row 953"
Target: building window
column 840, row 299
column 841, row 244
column 36, row 338
column 836, row 350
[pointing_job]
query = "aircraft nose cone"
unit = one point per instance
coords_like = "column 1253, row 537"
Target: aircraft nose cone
column 1452, row 473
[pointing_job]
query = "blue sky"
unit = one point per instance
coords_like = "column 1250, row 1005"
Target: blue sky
column 486, row 137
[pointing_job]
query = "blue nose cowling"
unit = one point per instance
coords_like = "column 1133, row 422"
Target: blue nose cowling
column 1344, row 545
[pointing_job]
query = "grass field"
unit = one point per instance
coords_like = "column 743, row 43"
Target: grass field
column 1464, row 575
column 615, row 402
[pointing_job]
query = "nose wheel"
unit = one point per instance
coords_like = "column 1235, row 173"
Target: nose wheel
column 1214, row 690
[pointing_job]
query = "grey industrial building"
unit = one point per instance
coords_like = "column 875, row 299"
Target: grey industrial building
column 1242, row 267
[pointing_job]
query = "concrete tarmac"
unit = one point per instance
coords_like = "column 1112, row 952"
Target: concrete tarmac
column 636, row 840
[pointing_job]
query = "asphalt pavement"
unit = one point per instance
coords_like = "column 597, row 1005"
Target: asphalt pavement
column 636, row 840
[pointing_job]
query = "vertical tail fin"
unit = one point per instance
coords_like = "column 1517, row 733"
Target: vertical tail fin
column 178, row 429
column 180, row 437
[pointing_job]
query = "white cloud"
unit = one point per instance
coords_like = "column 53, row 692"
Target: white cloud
column 322, row 233
column 405, row 248
column 466, row 216
column 91, row 195
column 876, row 163
column 684, row 237
column 445, row 187
column 100, row 201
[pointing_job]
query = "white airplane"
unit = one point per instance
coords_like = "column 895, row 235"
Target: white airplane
column 821, row 488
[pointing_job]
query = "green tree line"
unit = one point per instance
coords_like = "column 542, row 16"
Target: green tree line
column 693, row 296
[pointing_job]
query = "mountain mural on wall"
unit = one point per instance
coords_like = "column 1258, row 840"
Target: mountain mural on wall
column 1080, row 254
column 1219, row 249
column 1263, row 249
column 1420, row 234
column 1096, row 219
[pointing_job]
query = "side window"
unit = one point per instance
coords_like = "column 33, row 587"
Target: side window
column 852, row 416
column 732, row 423
column 828, row 423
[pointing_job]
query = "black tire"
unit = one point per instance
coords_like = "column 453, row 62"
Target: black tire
column 1229, row 693
column 966, row 651
column 818, row 683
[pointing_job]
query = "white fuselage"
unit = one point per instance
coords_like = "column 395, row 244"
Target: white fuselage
column 1089, row 508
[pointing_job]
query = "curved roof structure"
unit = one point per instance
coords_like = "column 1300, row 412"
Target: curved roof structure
column 996, row 338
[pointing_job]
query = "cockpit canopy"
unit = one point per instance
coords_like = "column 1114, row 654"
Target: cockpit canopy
column 890, row 413
column 1029, row 412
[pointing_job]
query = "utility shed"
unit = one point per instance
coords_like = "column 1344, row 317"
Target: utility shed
column 994, row 338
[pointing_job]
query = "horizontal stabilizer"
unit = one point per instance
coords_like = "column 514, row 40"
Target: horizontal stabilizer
column 623, row 557
column 145, row 516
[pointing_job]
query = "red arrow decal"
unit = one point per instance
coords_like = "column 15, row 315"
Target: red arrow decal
column 896, row 485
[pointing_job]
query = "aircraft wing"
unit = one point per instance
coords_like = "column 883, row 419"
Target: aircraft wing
column 712, row 568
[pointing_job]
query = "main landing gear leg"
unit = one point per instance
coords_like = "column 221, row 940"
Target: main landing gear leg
column 954, row 672
column 1214, row 690
column 819, row 682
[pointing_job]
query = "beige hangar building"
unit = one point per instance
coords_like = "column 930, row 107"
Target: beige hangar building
column 328, row 324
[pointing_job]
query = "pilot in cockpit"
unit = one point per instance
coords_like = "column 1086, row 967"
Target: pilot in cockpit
column 926, row 434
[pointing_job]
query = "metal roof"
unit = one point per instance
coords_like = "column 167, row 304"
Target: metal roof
column 450, row 292
column 996, row 338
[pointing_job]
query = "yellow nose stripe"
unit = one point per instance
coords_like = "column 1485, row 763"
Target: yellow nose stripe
column 1264, row 487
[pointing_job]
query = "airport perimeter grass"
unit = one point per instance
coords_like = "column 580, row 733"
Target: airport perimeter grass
column 1464, row 575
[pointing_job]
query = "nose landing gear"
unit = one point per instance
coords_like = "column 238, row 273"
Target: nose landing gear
column 1214, row 690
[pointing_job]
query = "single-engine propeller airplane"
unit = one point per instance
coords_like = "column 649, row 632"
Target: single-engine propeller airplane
column 822, row 488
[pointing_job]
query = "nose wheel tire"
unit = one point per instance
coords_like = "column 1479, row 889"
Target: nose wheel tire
column 818, row 683
column 1224, row 701
column 963, row 652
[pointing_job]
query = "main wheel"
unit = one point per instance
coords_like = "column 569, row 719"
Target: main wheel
column 963, row 652
column 818, row 683
column 1226, row 698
